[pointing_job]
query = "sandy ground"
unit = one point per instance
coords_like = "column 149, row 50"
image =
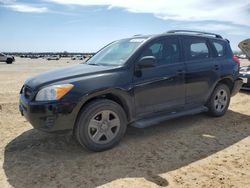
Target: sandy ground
column 195, row 151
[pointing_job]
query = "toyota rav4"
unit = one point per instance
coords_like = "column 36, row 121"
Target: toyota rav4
column 138, row 81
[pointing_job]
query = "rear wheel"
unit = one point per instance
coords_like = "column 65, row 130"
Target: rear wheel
column 219, row 100
column 101, row 125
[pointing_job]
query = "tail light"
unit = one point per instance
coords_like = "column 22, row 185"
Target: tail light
column 236, row 60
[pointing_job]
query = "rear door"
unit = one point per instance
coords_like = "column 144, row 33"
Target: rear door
column 202, row 70
column 160, row 88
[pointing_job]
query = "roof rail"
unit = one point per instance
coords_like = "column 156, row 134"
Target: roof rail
column 197, row 32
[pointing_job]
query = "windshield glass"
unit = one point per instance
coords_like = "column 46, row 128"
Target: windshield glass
column 116, row 53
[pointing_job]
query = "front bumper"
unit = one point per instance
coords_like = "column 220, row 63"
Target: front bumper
column 245, row 75
column 49, row 116
column 246, row 81
column 237, row 86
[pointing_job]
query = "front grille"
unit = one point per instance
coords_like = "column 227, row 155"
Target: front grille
column 27, row 92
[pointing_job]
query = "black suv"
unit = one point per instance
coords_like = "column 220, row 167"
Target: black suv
column 138, row 81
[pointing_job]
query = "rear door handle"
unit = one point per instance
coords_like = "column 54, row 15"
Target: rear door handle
column 216, row 67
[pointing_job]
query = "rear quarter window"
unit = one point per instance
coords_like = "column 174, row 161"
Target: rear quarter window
column 196, row 49
column 219, row 48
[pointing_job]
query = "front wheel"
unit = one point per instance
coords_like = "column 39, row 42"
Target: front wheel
column 219, row 101
column 9, row 60
column 101, row 125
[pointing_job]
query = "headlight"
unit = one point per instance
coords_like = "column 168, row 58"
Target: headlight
column 54, row 92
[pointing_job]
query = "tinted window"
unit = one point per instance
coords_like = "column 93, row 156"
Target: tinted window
column 165, row 52
column 219, row 47
column 116, row 53
column 196, row 49
column 154, row 49
column 171, row 51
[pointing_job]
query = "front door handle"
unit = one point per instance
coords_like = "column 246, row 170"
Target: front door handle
column 180, row 72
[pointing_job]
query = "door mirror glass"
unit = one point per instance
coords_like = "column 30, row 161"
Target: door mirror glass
column 147, row 62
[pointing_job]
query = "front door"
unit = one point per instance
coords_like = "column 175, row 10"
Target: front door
column 160, row 88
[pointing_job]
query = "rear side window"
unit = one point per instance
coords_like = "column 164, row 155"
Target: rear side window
column 219, row 47
column 196, row 49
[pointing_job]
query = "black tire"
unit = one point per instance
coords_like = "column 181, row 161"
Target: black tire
column 83, row 125
column 219, row 100
column 9, row 60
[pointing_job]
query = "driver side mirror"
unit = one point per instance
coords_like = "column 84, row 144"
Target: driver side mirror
column 147, row 62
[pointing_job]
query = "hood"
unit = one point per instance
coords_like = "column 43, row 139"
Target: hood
column 245, row 47
column 64, row 74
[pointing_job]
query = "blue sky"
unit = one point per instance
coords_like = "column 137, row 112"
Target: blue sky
column 87, row 25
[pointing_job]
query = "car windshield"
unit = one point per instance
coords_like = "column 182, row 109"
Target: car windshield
column 116, row 53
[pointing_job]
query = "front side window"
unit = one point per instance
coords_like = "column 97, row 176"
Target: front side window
column 165, row 51
column 196, row 49
column 171, row 51
column 154, row 49
column 116, row 53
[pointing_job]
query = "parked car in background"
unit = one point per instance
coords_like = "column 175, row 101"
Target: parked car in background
column 23, row 56
column 77, row 57
column 6, row 58
column 245, row 75
column 242, row 56
column 245, row 71
column 33, row 56
column 53, row 57
column 245, row 47
column 138, row 81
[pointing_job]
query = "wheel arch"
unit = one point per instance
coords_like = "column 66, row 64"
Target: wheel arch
column 120, row 97
column 227, row 81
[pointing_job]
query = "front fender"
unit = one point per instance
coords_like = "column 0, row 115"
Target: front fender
column 125, row 96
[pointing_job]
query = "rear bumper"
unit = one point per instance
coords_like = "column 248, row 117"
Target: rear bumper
column 49, row 116
column 237, row 86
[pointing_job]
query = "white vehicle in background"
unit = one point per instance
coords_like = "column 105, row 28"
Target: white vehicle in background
column 245, row 71
column 77, row 57
column 243, row 56
column 6, row 58
column 53, row 57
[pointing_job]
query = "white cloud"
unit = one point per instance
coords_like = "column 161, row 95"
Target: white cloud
column 21, row 7
column 236, row 12
column 220, row 28
column 26, row 8
column 7, row 1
